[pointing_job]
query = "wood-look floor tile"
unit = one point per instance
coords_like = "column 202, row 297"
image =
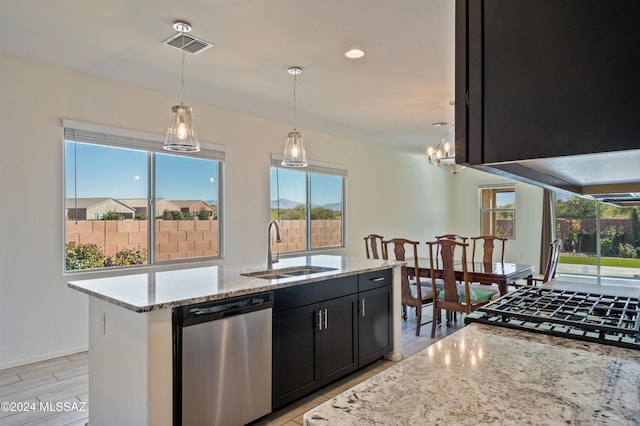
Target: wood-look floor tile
column 9, row 379
column 78, row 368
column 31, row 416
column 63, row 389
column 5, row 414
column 61, row 371
column 25, row 389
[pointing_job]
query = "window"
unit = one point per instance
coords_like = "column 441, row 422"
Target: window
column 309, row 206
column 128, row 202
column 498, row 211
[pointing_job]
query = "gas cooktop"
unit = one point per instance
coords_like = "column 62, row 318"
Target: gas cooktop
column 612, row 320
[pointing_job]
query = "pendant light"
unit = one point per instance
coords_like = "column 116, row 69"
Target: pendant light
column 294, row 153
column 181, row 135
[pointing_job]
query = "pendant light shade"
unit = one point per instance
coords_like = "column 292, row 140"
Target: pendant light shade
column 181, row 135
column 294, row 152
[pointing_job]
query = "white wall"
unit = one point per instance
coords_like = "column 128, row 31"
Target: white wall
column 525, row 248
column 390, row 193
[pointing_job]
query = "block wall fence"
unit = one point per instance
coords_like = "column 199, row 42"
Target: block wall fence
column 179, row 239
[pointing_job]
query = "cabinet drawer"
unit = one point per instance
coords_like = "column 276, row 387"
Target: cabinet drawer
column 306, row 294
column 375, row 279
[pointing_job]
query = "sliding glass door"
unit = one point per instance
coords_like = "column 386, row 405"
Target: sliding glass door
column 597, row 238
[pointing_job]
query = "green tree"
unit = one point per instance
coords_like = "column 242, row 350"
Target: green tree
column 204, row 214
column 175, row 215
column 126, row 257
column 635, row 226
column 323, row 213
column 610, row 240
column 83, row 256
column 576, row 208
column 111, row 215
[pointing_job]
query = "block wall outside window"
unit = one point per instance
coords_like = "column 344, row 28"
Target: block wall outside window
column 309, row 205
column 116, row 181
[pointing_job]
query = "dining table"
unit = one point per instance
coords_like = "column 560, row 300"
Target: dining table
column 500, row 273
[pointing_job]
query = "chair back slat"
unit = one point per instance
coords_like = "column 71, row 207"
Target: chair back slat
column 488, row 244
column 371, row 244
column 552, row 261
column 448, row 271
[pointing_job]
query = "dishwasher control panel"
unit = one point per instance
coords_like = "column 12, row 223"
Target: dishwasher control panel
column 218, row 309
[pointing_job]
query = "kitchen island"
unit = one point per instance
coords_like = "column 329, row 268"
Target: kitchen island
column 131, row 334
column 484, row 374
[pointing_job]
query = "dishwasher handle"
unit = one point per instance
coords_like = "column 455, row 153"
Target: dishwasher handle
column 216, row 310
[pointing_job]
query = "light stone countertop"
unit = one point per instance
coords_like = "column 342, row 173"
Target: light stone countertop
column 483, row 374
column 151, row 291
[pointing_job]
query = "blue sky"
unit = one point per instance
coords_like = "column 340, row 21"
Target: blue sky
column 123, row 173
column 325, row 189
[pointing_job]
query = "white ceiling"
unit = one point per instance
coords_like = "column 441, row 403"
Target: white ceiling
column 390, row 97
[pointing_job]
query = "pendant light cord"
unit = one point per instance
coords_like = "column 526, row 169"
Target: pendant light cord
column 295, row 83
column 182, row 71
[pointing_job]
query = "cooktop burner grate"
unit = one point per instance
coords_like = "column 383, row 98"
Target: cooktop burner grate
column 613, row 320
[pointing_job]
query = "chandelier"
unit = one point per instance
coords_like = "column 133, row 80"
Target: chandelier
column 443, row 155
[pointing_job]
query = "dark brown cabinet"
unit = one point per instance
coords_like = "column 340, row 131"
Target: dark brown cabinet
column 316, row 343
column 323, row 331
column 545, row 78
column 374, row 316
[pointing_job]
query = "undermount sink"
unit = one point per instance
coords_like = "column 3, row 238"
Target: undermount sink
column 293, row 271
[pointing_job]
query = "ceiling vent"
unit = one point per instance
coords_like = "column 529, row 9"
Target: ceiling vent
column 191, row 44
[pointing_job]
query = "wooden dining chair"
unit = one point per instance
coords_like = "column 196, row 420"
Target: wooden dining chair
column 373, row 246
column 550, row 268
column 414, row 293
column 488, row 243
column 455, row 297
column 454, row 237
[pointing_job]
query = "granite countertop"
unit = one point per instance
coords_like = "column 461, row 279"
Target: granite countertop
column 490, row 375
column 168, row 289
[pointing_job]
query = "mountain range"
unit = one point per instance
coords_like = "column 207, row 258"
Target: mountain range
column 289, row 204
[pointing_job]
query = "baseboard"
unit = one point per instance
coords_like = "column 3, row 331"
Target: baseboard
column 42, row 357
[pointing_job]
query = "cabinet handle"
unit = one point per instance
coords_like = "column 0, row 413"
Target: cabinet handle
column 378, row 279
column 319, row 318
column 362, row 309
column 326, row 319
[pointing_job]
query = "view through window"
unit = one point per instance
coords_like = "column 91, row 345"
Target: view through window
column 303, row 229
column 498, row 211
column 112, row 214
column 613, row 252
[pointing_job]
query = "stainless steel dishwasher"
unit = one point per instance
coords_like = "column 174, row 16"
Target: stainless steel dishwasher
column 222, row 361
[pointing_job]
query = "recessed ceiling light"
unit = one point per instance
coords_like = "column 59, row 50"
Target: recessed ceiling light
column 354, row 53
column 439, row 124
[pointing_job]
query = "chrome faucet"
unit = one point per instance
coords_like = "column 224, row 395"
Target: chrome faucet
column 270, row 260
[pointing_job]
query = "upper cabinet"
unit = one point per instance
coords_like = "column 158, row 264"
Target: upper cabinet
column 547, row 91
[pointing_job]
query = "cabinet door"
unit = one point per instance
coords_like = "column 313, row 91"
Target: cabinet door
column 295, row 348
column 374, row 325
column 338, row 338
column 545, row 78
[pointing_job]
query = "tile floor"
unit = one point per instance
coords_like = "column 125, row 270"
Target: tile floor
column 65, row 380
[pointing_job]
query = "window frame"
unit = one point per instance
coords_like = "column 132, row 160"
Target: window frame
column 150, row 144
column 507, row 187
column 316, row 167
